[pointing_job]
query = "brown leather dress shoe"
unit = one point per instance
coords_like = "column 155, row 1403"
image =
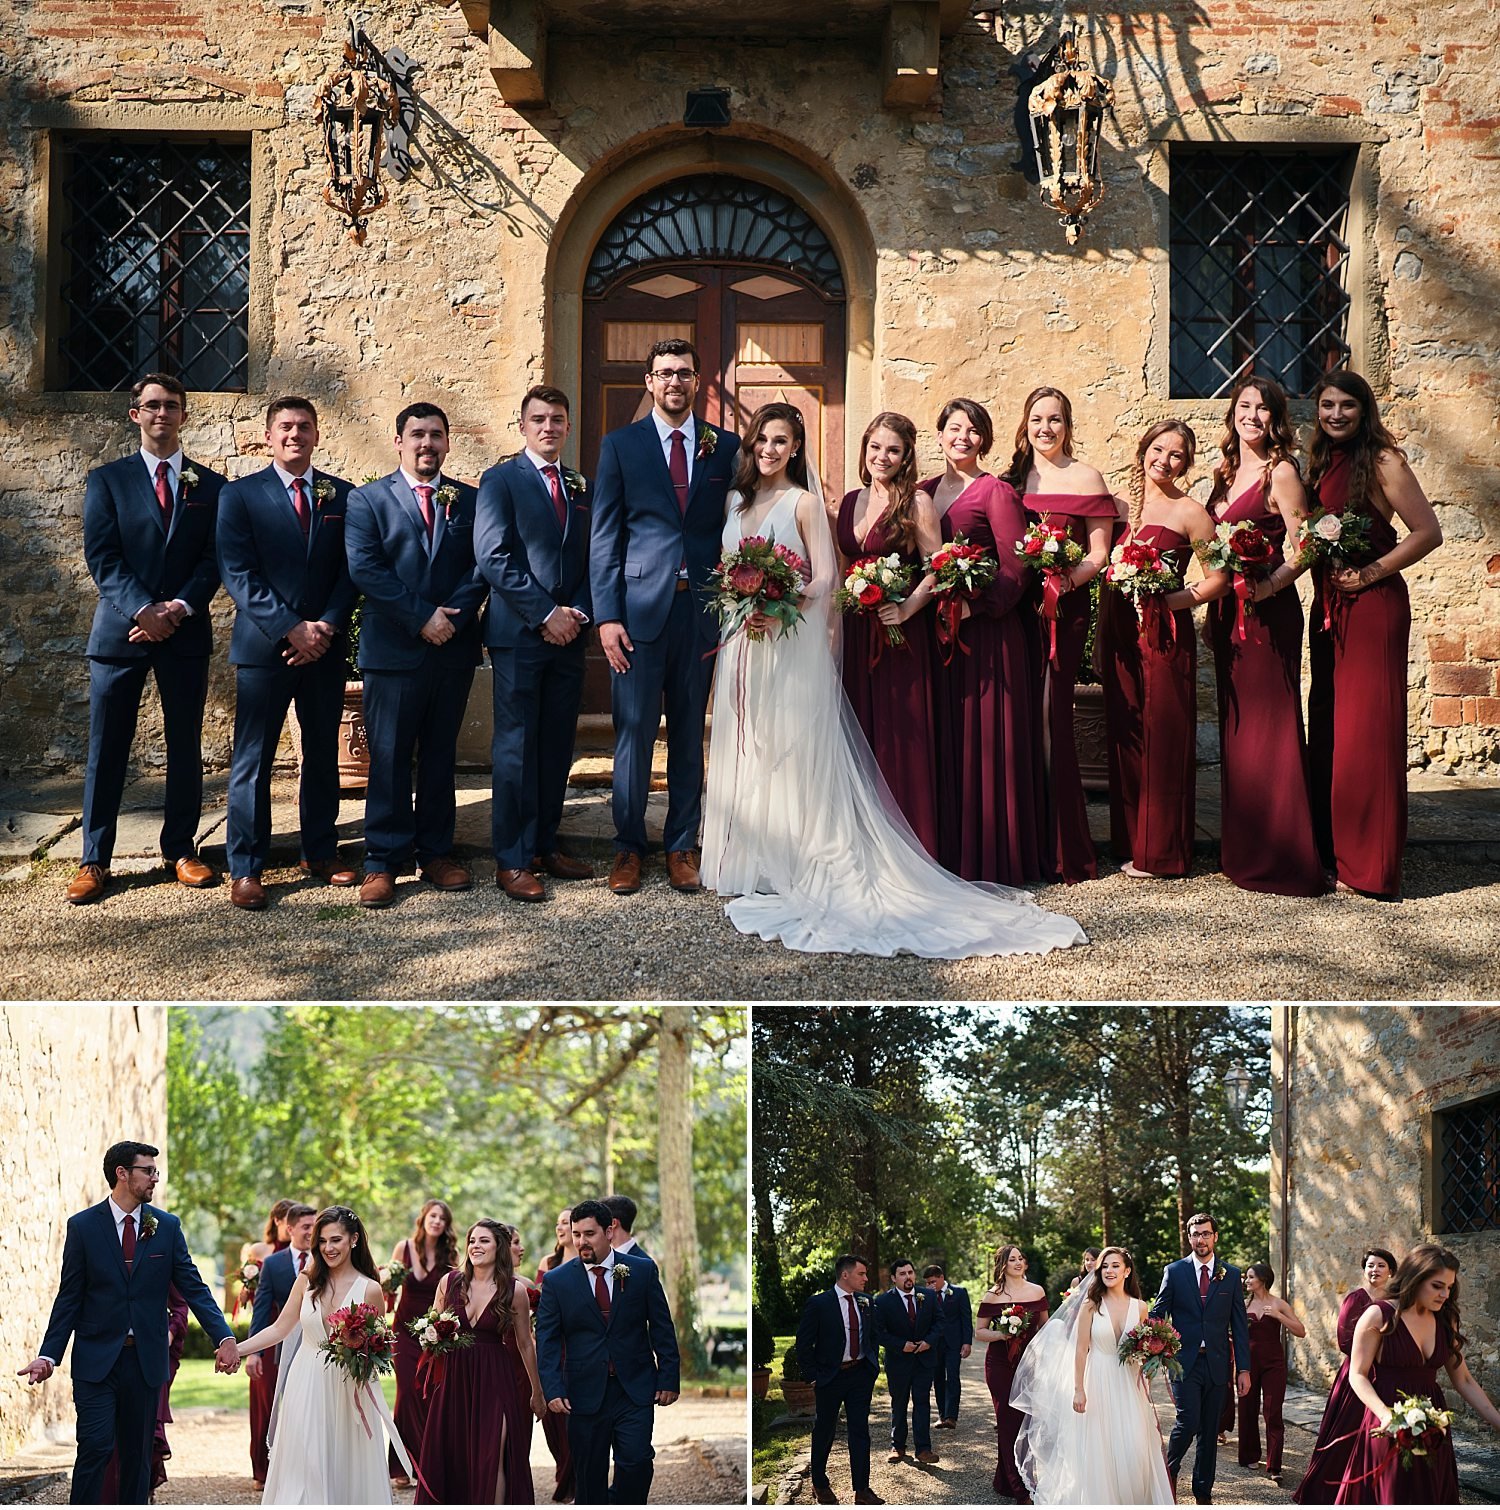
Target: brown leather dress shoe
column 682, row 870
column 868, row 1497
column 247, row 892
column 334, row 872
column 625, row 876
column 824, row 1494
column 191, row 871
column 927, row 1457
column 563, row 867
column 446, row 874
column 896, row 1455
column 378, row 889
column 520, row 886
column 88, row 884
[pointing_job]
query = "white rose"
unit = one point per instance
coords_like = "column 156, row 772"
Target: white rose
column 249, row 1272
column 429, row 1335
column 1050, row 546
column 1330, row 527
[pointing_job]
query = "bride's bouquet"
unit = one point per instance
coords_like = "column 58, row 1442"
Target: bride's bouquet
column 438, row 1333
column 360, row 1342
column 1416, row 1427
column 392, row 1276
column 760, row 577
column 872, row 581
column 248, row 1276
column 960, row 572
column 1153, row 1347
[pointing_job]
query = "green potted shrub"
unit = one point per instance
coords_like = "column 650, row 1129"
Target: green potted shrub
column 795, row 1390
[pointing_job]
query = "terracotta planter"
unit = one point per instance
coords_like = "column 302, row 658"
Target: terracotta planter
column 1089, row 734
column 354, row 742
column 760, row 1382
column 799, row 1396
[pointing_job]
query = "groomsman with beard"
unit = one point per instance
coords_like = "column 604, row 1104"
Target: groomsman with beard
column 281, row 553
column 837, row 1353
column 907, row 1326
column 148, row 539
column 956, row 1331
column 622, row 1212
column 277, row 1276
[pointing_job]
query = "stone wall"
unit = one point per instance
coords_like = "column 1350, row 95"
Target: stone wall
column 1363, row 1083
column 73, row 1080
column 971, row 287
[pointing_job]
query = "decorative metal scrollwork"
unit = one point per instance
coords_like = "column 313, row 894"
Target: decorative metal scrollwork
column 356, row 107
column 1067, row 117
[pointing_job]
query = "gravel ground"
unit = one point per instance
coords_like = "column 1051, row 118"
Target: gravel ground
column 1198, row 937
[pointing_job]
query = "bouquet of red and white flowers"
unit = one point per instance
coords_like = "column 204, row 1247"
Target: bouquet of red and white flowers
column 438, row 1333
column 1245, row 550
column 872, row 581
column 392, row 1276
column 1153, row 1346
column 1139, row 570
column 360, row 1342
column 760, row 577
column 1416, row 1426
column 1014, row 1321
column 1052, row 551
column 1343, row 539
column 248, row 1276
column 960, row 572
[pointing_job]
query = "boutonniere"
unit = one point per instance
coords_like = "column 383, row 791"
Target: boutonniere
column 188, row 478
column 148, row 1222
column 708, row 441
column 576, row 481
column 447, row 497
column 622, row 1273
column 324, row 491
column 1218, row 1273
column 863, row 1302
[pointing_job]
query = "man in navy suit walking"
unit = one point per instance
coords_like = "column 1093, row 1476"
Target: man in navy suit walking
column 411, row 553
column 148, row 538
column 658, row 522
column 956, row 1333
column 836, row 1350
column 1203, row 1298
column 908, row 1328
column 531, row 540
column 120, row 1259
column 277, row 1276
column 281, row 555
column 607, row 1354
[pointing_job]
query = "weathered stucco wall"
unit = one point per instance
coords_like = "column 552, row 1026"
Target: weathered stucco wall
column 1363, row 1079
column 73, row 1080
column 972, row 288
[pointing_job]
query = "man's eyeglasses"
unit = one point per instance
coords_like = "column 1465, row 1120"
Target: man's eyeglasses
column 666, row 374
column 160, row 405
column 150, row 1169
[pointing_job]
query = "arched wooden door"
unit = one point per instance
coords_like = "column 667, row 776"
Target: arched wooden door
column 745, row 274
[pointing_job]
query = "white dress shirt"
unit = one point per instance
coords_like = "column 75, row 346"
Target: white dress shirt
column 174, row 484
column 608, row 1261
column 844, row 1297
column 689, row 428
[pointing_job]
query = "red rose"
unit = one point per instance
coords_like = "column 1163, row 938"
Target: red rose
column 1252, row 547
column 941, row 559
column 446, row 1328
column 773, row 592
column 1034, row 546
column 870, row 594
column 747, row 580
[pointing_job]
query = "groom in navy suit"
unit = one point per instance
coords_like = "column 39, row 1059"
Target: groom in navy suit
column 659, row 503
column 148, row 538
column 531, row 541
column 1203, row 1298
column 607, row 1354
column 120, row 1259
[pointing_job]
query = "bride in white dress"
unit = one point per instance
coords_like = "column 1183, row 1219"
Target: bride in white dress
column 1089, row 1434
column 322, row 1452
column 799, row 826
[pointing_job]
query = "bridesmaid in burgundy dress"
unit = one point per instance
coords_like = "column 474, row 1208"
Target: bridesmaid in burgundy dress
column 991, row 801
column 1361, row 622
column 476, row 1442
column 890, row 686
column 1266, row 835
column 429, row 1253
column 512, row 1344
column 1267, row 1314
column 1011, row 1288
column 1344, row 1410
column 1399, row 1346
column 554, row 1426
column 263, row 1380
column 1151, row 679
column 1059, row 489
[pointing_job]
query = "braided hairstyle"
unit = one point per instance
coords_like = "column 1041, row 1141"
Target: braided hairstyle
column 1138, row 470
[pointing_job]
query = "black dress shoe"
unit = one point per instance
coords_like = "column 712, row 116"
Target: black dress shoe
column 824, row 1494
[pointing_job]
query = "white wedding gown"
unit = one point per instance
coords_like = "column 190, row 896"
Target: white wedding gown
column 799, row 827
column 1112, row 1453
column 321, row 1453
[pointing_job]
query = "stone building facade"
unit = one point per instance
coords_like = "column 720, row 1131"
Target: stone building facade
column 879, row 141
column 73, row 1080
column 1386, row 1133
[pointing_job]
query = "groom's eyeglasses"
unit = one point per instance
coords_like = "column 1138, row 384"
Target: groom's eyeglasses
column 150, row 1169
column 681, row 374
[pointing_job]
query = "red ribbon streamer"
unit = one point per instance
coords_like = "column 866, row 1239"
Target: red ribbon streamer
column 949, row 611
column 1156, row 622
column 1052, row 591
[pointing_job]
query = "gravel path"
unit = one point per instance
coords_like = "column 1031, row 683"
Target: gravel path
column 1197, row 937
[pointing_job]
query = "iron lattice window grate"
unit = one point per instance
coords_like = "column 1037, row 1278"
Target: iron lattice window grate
column 157, row 257
column 1259, row 265
column 718, row 218
column 1471, row 1167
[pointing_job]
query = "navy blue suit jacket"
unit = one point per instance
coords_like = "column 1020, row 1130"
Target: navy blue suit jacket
column 276, row 578
column 893, row 1329
column 955, row 1316
column 97, row 1303
column 575, row 1348
column 822, row 1339
column 277, row 1276
column 531, row 564
column 135, row 561
column 404, row 584
column 640, row 535
column 1209, row 1325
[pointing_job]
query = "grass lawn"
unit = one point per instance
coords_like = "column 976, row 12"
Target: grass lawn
column 198, row 1384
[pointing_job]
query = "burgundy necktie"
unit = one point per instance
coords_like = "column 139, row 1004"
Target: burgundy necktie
column 678, row 468
column 164, row 493
column 127, row 1242
column 1203, row 1284
column 299, row 503
column 558, row 501
column 424, row 502
column 854, row 1350
column 911, row 1315
column 300, row 1258
column 601, row 1291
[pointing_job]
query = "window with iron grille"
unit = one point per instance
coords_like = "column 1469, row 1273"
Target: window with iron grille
column 156, row 262
column 1469, row 1147
column 1259, row 266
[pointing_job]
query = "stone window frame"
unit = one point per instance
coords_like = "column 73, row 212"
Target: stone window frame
column 1432, row 1164
column 56, row 123
column 1368, row 337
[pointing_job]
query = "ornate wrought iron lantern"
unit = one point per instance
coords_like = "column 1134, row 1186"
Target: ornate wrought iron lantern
column 1066, row 109
column 355, row 108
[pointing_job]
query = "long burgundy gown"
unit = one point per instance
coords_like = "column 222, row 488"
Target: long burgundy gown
column 890, row 688
column 1151, row 715
column 1000, row 1362
column 1341, row 1416
column 468, row 1413
column 1268, row 1390
column 1375, row 1475
column 1266, row 831
column 991, row 794
column 417, row 1298
column 555, row 1430
column 1357, row 712
column 1072, row 849
column 262, row 1394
